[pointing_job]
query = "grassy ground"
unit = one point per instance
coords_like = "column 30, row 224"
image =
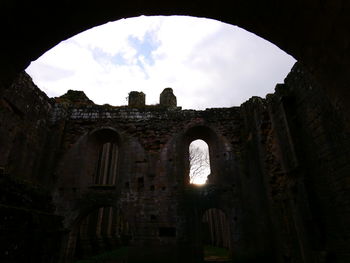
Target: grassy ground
column 212, row 253
column 118, row 255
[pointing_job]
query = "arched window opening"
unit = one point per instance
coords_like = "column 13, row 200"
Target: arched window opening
column 216, row 235
column 102, row 230
column 107, row 164
column 199, row 162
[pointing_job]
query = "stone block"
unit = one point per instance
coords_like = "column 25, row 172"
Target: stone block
column 167, row 98
column 137, row 99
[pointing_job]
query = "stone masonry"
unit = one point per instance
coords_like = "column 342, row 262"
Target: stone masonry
column 91, row 178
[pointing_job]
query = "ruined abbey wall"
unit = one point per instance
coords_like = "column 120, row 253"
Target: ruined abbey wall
column 30, row 231
column 152, row 184
column 24, row 119
column 279, row 166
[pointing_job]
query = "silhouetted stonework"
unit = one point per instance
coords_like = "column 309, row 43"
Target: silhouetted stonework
column 120, row 175
column 167, row 98
column 137, row 99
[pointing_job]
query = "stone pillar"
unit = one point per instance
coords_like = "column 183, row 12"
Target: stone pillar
column 137, row 99
column 167, row 98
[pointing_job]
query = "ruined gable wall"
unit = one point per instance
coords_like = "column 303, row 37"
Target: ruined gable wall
column 286, row 158
column 151, row 184
column 149, row 139
column 283, row 207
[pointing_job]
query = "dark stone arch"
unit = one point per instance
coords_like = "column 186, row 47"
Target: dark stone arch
column 76, row 193
column 201, row 199
column 202, row 132
column 101, row 135
column 88, row 219
column 315, row 33
column 77, row 166
column 104, row 134
column 218, row 224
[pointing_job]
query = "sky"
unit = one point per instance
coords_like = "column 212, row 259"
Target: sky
column 207, row 63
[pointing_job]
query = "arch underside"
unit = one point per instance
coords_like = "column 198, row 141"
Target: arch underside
column 316, row 34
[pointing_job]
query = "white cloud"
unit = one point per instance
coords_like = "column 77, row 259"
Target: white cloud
column 206, row 62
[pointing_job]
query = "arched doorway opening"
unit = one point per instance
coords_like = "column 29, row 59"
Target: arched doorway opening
column 102, row 231
column 216, row 236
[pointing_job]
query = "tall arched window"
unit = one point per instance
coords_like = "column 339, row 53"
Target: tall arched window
column 107, row 164
column 199, row 162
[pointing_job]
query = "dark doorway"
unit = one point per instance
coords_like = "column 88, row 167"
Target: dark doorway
column 216, row 236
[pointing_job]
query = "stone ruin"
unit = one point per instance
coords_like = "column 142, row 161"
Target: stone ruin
column 137, row 99
column 79, row 179
column 167, row 98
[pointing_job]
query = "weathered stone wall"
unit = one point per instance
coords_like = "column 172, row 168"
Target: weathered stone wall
column 297, row 165
column 313, row 189
column 153, row 172
column 257, row 243
column 167, row 98
column 30, row 231
column 136, row 99
column 279, row 172
column 24, row 116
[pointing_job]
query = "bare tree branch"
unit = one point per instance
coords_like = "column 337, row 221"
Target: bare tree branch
column 199, row 163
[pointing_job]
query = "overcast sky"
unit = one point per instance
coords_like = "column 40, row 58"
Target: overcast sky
column 206, row 62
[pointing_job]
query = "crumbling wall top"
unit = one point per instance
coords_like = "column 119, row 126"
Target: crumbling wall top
column 167, row 98
column 137, row 99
